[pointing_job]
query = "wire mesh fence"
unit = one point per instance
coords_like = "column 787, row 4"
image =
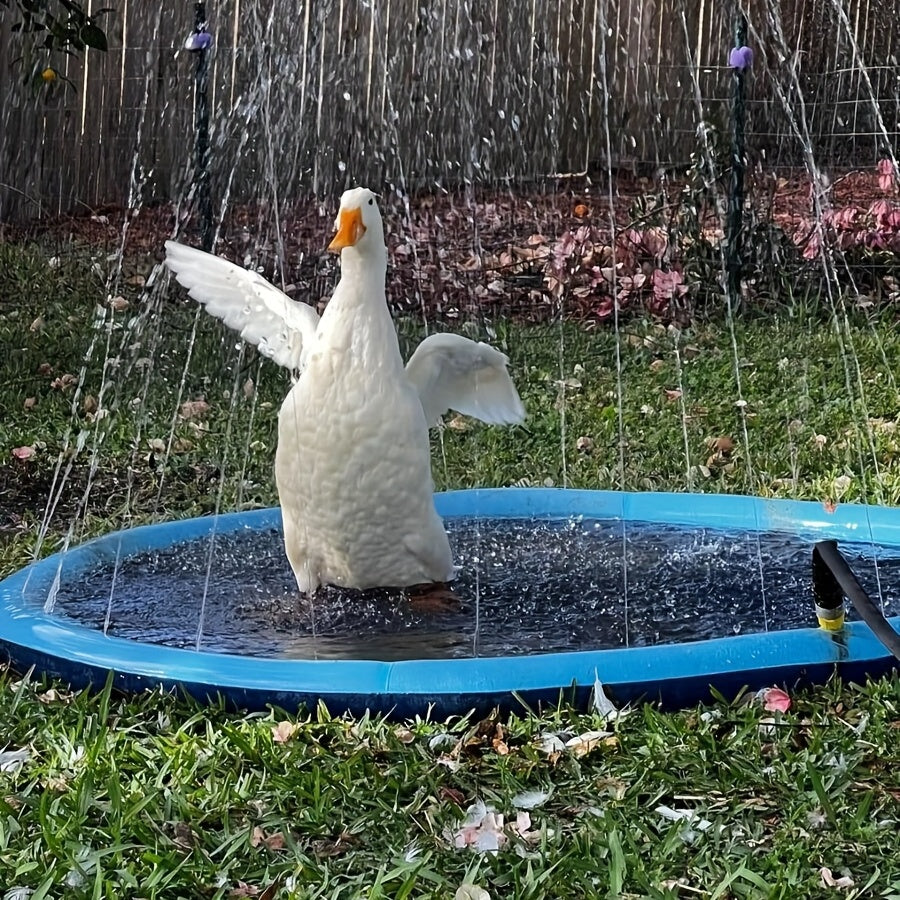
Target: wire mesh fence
column 440, row 94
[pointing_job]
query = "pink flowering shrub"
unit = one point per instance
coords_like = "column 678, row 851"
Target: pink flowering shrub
column 636, row 270
column 862, row 233
column 874, row 228
column 673, row 262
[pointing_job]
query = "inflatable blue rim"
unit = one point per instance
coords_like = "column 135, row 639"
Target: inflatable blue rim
column 675, row 675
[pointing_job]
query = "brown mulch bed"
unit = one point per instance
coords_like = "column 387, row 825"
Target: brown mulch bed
column 455, row 255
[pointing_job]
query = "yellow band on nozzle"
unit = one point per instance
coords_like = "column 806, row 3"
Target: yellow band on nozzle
column 830, row 619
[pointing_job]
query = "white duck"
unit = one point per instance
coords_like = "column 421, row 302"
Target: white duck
column 353, row 466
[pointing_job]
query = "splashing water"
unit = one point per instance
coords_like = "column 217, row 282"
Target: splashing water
column 524, row 587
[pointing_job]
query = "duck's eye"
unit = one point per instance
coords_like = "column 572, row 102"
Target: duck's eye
column 371, row 202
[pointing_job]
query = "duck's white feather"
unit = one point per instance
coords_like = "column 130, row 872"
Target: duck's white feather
column 452, row 372
column 281, row 328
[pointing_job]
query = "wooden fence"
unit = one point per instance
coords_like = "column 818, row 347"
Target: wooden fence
column 309, row 95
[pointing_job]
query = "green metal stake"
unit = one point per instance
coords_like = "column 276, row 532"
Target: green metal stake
column 201, row 118
column 734, row 260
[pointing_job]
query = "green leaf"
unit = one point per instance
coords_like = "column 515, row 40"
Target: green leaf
column 93, row 36
column 617, row 865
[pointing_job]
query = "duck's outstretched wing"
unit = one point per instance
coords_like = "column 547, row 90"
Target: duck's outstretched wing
column 452, row 372
column 283, row 329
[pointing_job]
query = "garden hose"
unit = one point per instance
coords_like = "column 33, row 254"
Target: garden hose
column 833, row 579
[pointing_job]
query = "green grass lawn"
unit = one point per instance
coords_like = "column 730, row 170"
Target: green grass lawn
column 151, row 796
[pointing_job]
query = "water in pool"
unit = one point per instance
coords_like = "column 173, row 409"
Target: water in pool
column 524, row 586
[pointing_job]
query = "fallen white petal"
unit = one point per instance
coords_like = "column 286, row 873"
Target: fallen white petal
column 412, row 852
column 523, row 822
column 828, row 879
column 13, row 760
column 537, row 834
column 683, row 815
column 74, row 879
column 488, row 842
column 454, row 765
column 471, row 892
column 816, row 818
column 442, row 739
column 482, row 829
column 551, row 743
column 603, row 706
column 585, row 743
column 586, row 737
column 841, row 483
column 475, row 814
column 673, row 815
column 18, row 893
column 767, row 727
column 531, row 799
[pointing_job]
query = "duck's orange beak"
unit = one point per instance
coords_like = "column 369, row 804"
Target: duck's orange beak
column 350, row 230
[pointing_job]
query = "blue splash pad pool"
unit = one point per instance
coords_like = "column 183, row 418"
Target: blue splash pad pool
column 675, row 674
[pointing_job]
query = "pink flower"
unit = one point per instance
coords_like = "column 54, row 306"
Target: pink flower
column 813, row 246
column 842, row 218
column 654, row 242
column 887, row 177
column 874, row 240
column 482, row 829
column 630, row 237
column 631, row 284
column 667, row 285
column 23, row 453
column 880, row 210
column 775, row 699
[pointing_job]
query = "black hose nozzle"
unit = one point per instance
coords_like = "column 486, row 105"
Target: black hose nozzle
column 833, row 580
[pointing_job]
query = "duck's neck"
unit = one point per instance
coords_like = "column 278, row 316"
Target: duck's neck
column 368, row 269
column 357, row 316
